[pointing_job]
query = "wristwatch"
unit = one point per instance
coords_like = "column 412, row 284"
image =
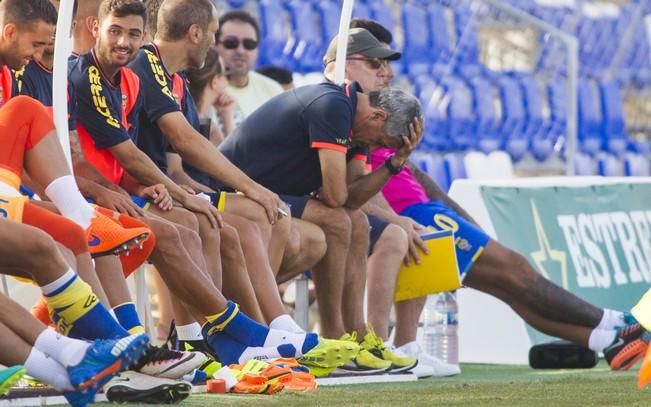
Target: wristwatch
column 393, row 169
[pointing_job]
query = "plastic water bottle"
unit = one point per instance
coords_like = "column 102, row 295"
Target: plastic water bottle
column 440, row 335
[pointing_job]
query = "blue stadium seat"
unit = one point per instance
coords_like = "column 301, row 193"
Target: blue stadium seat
column 609, row 165
column 487, row 120
column 417, row 40
column 329, row 13
column 584, row 165
column 454, row 167
column 460, row 113
column 275, row 47
column 381, row 12
column 513, row 114
column 614, row 128
column 590, row 117
column 441, row 43
column 636, row 165
column 309, row 47
column 433, row 165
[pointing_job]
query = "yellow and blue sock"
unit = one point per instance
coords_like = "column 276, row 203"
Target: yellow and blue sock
column 128, row 317
column 248, row 333
column 77, row 312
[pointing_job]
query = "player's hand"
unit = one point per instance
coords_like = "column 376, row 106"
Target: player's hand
column 160, row 196
column 416, row 244
column 224, row 102
column 188, row 189
column 118, row 202
column 409, row 142
column 269, row 201
column 116, row 188
column 204, row 206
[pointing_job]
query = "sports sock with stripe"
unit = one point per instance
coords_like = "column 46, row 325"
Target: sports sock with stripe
column 128, row 317
column 77, row 312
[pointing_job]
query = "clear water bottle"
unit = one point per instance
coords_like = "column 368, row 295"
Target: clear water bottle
column 440, row 330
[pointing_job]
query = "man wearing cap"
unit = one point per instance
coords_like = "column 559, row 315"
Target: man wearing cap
column 393, row 237
column 311, row 146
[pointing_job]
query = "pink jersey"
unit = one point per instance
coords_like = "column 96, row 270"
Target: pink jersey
column 402, row 190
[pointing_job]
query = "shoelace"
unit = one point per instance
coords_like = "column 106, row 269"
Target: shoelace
column 156, row 354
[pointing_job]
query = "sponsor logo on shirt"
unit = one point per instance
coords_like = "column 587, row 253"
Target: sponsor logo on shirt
column 99, row 101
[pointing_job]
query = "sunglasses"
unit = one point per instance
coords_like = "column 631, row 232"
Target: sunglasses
column 374, row 63
column 234, row 42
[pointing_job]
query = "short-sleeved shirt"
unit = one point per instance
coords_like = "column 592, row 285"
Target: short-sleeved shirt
column 158, row 99
column 277, row 146
column 402, row 190
column 35, row 81
column 100, row 108
column 257, row 91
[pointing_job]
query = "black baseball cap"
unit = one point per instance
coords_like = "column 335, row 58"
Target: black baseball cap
column 361, row 41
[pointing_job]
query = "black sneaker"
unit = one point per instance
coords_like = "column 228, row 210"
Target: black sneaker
column 627, row 348
column 134, row 387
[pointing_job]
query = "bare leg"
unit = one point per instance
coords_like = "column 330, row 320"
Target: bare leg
column 330, row 273
column 407, row 316
column 237, row 283
column 258, row 267
column 509, row 274
column 355, row 281
column 109, row 272
column 274, row 237
column 383, row 267
column 305, row 248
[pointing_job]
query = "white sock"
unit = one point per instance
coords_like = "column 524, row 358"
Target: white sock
column 59, row 282
column 276, row 337
column 260, row 353
column 601, row 338
column 65, row 195
column 67, row 351
column 286, row 323
column 190, row 332
column 48, row 370
column 611, row 319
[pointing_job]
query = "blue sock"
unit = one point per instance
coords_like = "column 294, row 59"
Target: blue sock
column 95, row 324
column 237, row 325
column 128, row 317
column 229, row 350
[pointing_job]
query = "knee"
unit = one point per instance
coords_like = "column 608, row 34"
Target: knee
column 187, row 219
column 358, row 220
column 335, row 222
column 393, row 238
column 230, row 237
column 316, row 244
column 166, row 233
column 39, row 247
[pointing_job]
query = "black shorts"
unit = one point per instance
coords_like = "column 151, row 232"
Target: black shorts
column 376, row 228
column 296, row 204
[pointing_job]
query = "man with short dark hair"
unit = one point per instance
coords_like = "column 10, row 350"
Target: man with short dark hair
column 238, row 40
column 95, row 76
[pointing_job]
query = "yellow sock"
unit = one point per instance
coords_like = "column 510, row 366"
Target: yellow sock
column 72, row 303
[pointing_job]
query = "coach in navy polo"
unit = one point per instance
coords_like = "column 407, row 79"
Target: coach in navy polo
column 310, row 145
column 299, row 142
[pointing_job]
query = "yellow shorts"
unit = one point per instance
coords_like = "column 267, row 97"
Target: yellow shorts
column 12, row 207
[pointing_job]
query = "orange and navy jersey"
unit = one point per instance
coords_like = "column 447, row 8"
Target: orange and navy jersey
column 8, row 85
column 161, row 94
column 105, row 111
column 278, row 145
column 35, row 81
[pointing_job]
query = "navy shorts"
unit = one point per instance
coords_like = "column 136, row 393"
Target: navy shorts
column 376, row 228
column 469, row 240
